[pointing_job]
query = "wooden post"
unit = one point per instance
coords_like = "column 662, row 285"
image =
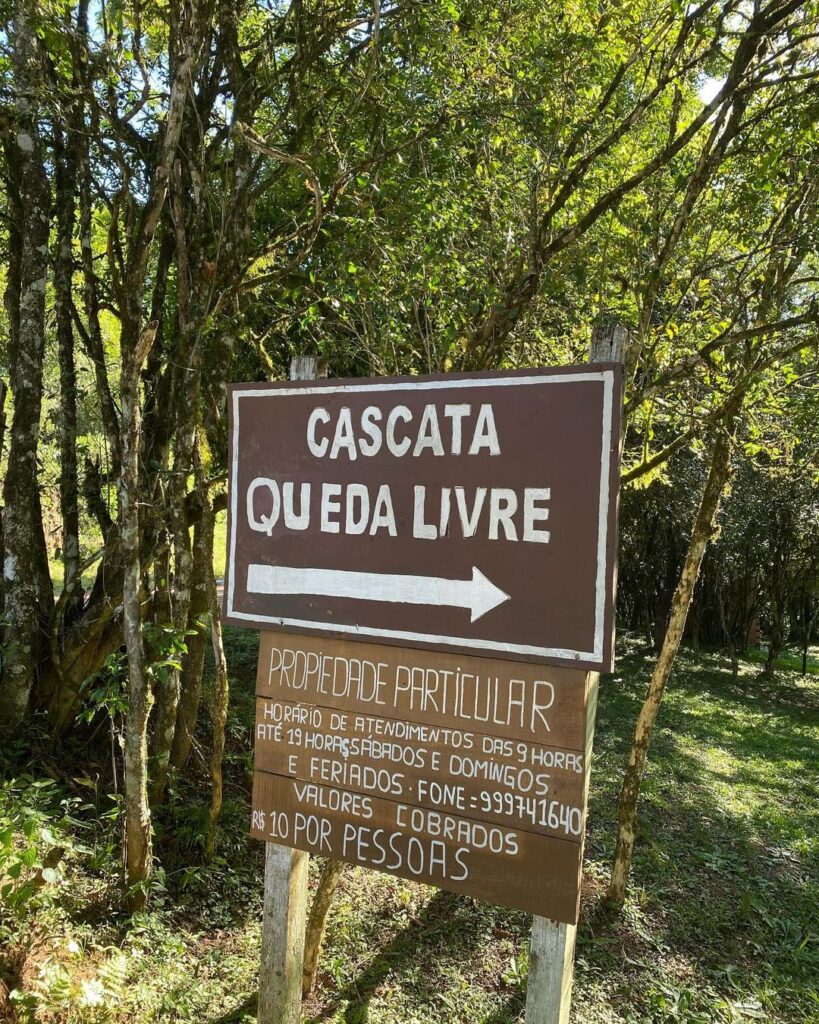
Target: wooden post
column 551, row 955
column 285, row 889
column 283, row 917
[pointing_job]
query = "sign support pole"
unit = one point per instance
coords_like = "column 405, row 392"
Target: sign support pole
column 284, row 910
column 283, row 918
column 551, row 955
column 551, row 952
column 555, row 866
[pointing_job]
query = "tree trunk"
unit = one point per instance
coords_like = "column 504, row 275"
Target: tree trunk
column 776, row 645
column 183, row 206
column 138, row 851
column 167, row 697
column 3, row 393
column 695, row 627
column 221, row 698
column 193, row 662
column 329, row 878
column 805, row 635
column 183, row 579
column 92, row 336
column 27, row 587
column 726, row 632
column 164, row 705
column 809, row 621
column 86, row 645
column 66, row 182
column 135, row 343
column 701, row 534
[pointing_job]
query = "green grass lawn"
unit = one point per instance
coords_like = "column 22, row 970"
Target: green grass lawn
column 722, row 922
column 790, row 658
column 219, row 551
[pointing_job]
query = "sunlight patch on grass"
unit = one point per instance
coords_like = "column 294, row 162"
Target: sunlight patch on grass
column 719, row 927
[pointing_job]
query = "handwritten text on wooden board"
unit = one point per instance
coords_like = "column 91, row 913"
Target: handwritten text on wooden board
column 462, row 772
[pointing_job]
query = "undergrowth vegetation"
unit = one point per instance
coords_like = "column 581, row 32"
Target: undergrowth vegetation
column 720, row 926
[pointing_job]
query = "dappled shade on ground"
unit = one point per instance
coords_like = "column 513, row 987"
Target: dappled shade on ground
column 720, row 924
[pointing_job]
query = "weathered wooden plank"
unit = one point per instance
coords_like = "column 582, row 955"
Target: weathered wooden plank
column 493, row 862
column 283, row 919
column 507, row 782
column 551, row 969
column 488, row 695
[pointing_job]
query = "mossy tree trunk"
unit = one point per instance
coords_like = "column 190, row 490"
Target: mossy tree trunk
column 136, row 343
column 138, row 851
column 219, row 710
column 27, row 593
column 193, row 661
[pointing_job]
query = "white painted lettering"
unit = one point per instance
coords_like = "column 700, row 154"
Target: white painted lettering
column 503, row 504
column 265, row 523
column 383, row 514
column 486, row 435
column 534, row 513
column 329, row 507
column 429, row 433
column 344, row 437
column 291, row 520
column 469, row 520
column 398, row 448
column 456, row 414
column 317, row 448
column 370, row 419
column 357, row 523
column 421, row 529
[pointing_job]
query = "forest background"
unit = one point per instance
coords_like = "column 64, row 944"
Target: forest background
column 196, row 192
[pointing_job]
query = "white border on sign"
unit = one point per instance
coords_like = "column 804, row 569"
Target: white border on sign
column 607, row 379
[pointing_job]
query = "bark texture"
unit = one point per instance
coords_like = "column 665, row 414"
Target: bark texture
column 3, row 395
column 136, row 343
column 138, row 850
column 701, row 534
column 66, row 183
column 329, row 878
column 190, row 679
column 221, row 699
column 28, row 597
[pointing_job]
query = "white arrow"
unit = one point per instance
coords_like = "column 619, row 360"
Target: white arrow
column 479, row 594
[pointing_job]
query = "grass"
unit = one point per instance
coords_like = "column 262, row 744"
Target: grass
column 790, row 658
column 56, row 566
column 721, row 925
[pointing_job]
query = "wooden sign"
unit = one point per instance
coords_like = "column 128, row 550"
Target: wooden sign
column 468, row 513
column 466, row 773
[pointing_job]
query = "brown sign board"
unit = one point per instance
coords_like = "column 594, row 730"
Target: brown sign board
column 457, row 771
column 463, row 772
column 504, row 865
column 518, row 701
column 473, row 513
